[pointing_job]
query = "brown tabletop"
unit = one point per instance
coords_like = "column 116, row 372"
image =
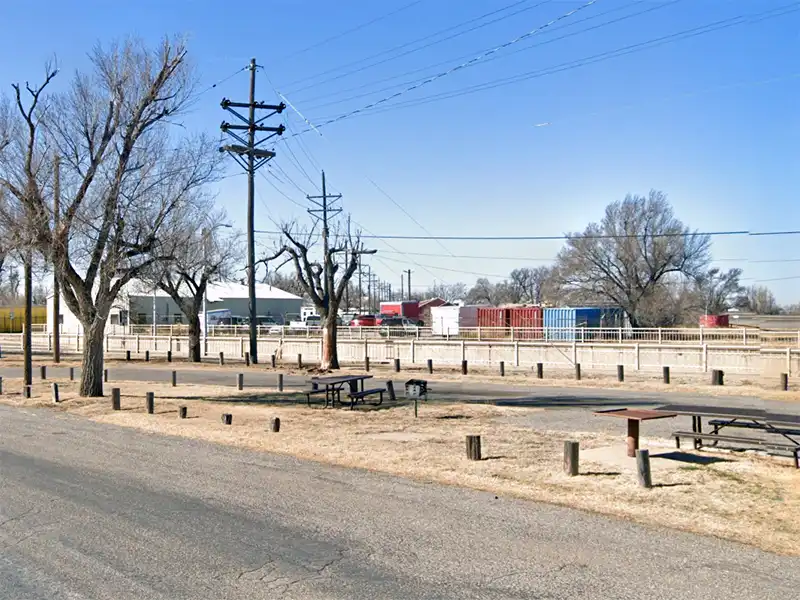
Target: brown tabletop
column 634, row 416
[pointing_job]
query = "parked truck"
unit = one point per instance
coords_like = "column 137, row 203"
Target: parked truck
column 408, row 309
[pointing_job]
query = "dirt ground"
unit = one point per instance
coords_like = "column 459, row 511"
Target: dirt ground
column 743, row 497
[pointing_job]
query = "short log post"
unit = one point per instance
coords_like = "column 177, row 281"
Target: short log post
column 151, row 403
column 390, row 389
column 1, row 385
column 577, row 371
column 246, row 359
column 169, row 356
column 227, row 418
column 127, row 355
column 115, row 399
column 416, row 407
column 620, row 372
column 183, row 412
column 105, row 375
column 174, row 378
column 72, row 373
column 430, row 366
column 275, row 425
column 280, row 382
column 665, row 371
column 299, row 361
column 240, row 381
column 463, row 367
column 633, row 437
column 54, row 388
column 785, row 382
column 43, row 372
column 571, row 455
column 221, row 359
column 273, row 361
column 147, row 356
column 366, row 364
column 539, row 371
column 26, row 391
column 643, row 468
column 396, row 365
column 474, row 447
column 502, row 368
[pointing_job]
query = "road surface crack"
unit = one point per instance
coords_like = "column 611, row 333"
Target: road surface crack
column 18, row 517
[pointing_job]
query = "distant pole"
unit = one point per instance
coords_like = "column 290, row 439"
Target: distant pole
column 408, row 272
column 56, row 287
column 28, row 322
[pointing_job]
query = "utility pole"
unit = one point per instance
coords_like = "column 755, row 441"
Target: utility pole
column 28, row 350
column 325, row 209
column 408, row 272
column 401, row 288
column 360, row 287
column 56, row 286
column 250, row 157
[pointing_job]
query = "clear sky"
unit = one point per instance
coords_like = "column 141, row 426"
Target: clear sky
column 712, row 119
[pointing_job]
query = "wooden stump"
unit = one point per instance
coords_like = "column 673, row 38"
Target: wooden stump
column 273, row 360
column 1, row 385
column 280, row 382
column 240, row 381
column 299, row 361
column 169, row 356
column 147, row 356
column 463, row 367
column 128, row 355
column 174, row 378
column 785, row 382
column 665, row 371
column 72, row 373
column 183, row 412
column 54, row 388
column 502, row 368
column 221, row 358
column 539, row 371
column 620, row 372
column 577, row 371
column 396, row 365
column 227, row 418
column 246, row 359
column 643, row 468
column 275, row 425
column 105, row 375
column 43, row 372
column 115, row 399
column 366, row 364
column 390, row 389
column 474, row 447
column 26, row 391
column 151, row 403
column 430, row 366
column 571, row 455
column 717, row 377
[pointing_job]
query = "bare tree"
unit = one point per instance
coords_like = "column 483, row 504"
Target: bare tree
column 530, row 285
column 126, row 168
column 285, row 282
column 203, row 251
column 449, row 292
column 324, row 277
column 623, row 258
column 483, row 292
column 719, row 290
column 760, row 300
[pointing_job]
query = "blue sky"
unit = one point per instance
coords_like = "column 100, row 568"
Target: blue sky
column 713, row 120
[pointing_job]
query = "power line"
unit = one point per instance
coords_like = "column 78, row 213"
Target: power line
column 553, row 258
column 407, row 44
column 460, row 66
column 570, row 65
column 493, row 58
column 353, row 29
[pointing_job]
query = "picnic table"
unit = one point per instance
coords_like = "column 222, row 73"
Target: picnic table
column 634, row 417
column 773, row 424
column 333, row 386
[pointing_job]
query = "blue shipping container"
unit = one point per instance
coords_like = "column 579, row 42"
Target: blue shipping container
column 562, row 323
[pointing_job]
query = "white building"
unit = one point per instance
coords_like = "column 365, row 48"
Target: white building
column 138, row 304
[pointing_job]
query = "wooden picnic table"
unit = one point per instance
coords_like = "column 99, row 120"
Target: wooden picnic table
column 335, row 383
column 634, row 417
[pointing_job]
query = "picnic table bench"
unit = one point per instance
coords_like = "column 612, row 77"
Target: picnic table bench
column 356, row 396
column 332, row 387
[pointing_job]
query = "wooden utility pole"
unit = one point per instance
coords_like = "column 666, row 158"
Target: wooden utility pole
column 27, row 339
column 408, row 272
column 251, row 157
column 56, row 286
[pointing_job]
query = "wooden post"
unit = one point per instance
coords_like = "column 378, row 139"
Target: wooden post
column 1, row 385
column 366, row 364
column 26, row 391
column 390, row 389
column 127, row 355
column 633, row 437
column 571, row 454
column 430, row 366
column 151, row 403
column 721, row 377
column 299, row 361
column 396, row 365
column 174, row 378
column 785, row 382
column 115, row 399
column 105, row 375
column 416, row 407
column 666, row 374
column 182, row 412
column 72, row 373
column 539, row 371
column 227, row 419
column 643, row 468
column 620, row 372
column 474, row 447
column 463, row 367
column 221, row 359
column 147, row 356
column 280, row 382
column 246, row 359
column 273, row 361
column 169, row 356
column 43, row 372
column 275, row 425
column 577, row 371
column 54, row 388
column 502, row 368
column 240, row 381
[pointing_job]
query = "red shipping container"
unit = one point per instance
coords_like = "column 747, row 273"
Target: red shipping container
column 714, row 321
column 409, row 309
column 528, row 320
column 492, row 317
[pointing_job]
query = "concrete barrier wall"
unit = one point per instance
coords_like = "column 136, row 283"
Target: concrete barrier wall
column 604, row 356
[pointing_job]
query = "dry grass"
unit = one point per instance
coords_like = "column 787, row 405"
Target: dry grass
column 749, row 499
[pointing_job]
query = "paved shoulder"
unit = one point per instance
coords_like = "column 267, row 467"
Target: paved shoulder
column 95, row 511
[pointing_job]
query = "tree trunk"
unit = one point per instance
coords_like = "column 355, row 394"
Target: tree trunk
column 92, row 366
column 330, row 354
column 195, row 351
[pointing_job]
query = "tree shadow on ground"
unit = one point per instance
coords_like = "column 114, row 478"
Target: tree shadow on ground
column 600, row 473
column 692, row 459
column 567, row 401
